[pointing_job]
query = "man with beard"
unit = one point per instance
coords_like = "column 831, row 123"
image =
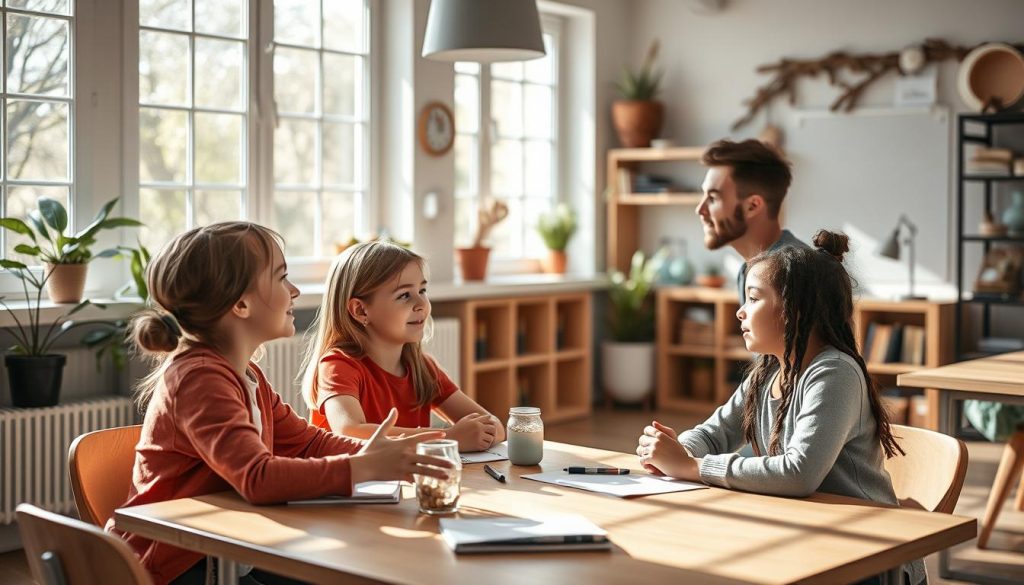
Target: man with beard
column 743, row 192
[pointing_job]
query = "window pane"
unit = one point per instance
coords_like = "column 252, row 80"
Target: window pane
column 467, row 103
column 540, row 121
column 538, row 157
column 542, row 70
column 20, row 201
column 339, row 160
column 507, row 168
column 163, row 212
column 214, row 206
column 507, row 108
column 338, row 220
column 174, row 14
column 466, row 165
column 295, row 152
column 465, row 221
column 343, row 25
column 163, row 68
column 341, row 76
column 221, row 17
column 512, row 70
column 467, row 67
column 295, row 86
column 52, row 6
column 219, row 74
column 297, row 22
column 37, row 55
column 218, row 155
column 293, row 217
column 37, row 140
column 163, row 145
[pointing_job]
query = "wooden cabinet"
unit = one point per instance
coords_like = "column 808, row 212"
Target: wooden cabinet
column 527, row 351
column 698, row 372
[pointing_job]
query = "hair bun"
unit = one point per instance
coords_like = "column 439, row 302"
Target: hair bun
column 835, row 244
column 151, row 333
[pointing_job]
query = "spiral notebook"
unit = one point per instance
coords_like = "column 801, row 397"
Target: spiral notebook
column 556, row 532
column 368, row 492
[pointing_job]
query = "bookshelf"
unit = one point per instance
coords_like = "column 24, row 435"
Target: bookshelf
column 527, row 351
column 697, row 375
column 624, row 206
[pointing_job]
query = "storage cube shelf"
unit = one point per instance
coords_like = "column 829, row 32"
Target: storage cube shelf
column 527, row 351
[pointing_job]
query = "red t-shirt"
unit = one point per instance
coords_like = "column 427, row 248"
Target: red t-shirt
column 376, row 390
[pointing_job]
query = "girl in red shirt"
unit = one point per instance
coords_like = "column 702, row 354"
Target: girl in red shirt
column 212, row 421
column 365, row 358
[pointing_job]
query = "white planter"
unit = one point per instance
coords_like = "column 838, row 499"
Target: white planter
column 628, row 370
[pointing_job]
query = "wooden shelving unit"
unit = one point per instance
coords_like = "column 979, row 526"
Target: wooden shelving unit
column 624, row 207
column 685, row 385
column 536, row 351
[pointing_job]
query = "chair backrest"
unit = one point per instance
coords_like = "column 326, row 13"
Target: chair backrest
column 63, row 550
column 931, row 474
column 100, row 464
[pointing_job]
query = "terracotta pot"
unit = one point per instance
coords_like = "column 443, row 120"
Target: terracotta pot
column 473, row 262
column 710, row 281
column 554, row 262
column 637, row 121
column 66, row 282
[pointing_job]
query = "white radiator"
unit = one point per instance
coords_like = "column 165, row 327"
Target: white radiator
column 283, row 359
column 34, row 446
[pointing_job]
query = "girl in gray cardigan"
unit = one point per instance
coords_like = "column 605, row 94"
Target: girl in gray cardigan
column 808, row 408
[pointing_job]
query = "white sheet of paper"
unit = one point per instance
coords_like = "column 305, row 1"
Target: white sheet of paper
column 498, row 452
column 367, row 492
column 634, row 484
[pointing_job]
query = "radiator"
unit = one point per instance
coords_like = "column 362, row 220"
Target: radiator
column 34, row 446
column 282, row 361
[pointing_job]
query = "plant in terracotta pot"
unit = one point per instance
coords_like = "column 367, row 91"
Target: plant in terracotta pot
column 628, row 358
column 473, row 259
column 638, row 115
column 712, row 277
column 66, row 257
column 556, row 229
column 33, row 372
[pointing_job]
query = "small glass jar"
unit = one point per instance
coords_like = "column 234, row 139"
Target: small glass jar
column 525, row 435
column 439, row 495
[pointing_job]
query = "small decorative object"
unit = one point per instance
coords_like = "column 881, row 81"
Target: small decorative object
column 662, row 143
column 556, row 229
column 440, row 495
column 676, row 269
column 436, row 128
column 1018, row 167
column 989, row 227
column 480, row 346
column 484, row 32
column 991, row 77
column 891, row 249
column 525, row 435
column 638, row 116
column 1000, row 272
column 712, row 277
column 1013, row 216
column 66, row 257
column 473, row 260
column 912, row 60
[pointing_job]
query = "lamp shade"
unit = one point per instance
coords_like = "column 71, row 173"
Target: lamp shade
column 485, row 31
column 891, row 247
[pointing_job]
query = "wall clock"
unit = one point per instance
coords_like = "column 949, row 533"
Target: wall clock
column 436, row 128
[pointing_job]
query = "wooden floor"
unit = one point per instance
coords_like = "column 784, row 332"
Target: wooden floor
column 618, row 430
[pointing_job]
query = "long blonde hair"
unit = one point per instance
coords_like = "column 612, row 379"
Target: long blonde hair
column 193, row 281
column 357, row 273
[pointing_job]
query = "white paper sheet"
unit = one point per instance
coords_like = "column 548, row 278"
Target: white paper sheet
column 498, row 452
column 634, row 484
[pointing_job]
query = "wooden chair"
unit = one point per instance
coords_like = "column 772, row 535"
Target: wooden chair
column 65, row 551
column 1007, row 474
column 931, row 474
column 100, row 464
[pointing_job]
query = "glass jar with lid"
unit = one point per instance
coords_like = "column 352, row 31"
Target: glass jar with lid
column 525, row 435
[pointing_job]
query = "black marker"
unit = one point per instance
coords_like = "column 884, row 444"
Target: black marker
column 491, row 472
column 596, row 470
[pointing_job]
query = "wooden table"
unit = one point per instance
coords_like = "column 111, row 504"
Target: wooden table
column 999, row 378
column 703, row 536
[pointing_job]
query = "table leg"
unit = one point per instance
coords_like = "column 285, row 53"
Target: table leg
column 947, row 425
column 227, row 572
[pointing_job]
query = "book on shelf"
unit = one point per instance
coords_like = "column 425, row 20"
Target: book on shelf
column 892, row 350
column 624, row 179
column 887, row 343
column 912, row 351
column 879, row 343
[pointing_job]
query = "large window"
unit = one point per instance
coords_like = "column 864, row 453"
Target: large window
column 197, row 116
column 506, row 145
column 38, row 104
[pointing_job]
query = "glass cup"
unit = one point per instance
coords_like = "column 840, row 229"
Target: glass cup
column 440, row 495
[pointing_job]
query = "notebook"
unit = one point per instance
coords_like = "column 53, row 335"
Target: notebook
column 623, row 486
column 368, row 492
column 498, row 452
column 557, row 532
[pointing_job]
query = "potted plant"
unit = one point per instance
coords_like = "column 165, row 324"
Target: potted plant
column 556, row 229
column 712, row 277
column 110, row 337
column 473, row 260
column 638, row 115
column 65, row 257
column 628, row 358
column 34, row 373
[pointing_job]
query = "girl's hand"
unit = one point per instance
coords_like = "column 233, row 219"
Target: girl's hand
column 383, row 458
column 474, row 432
column 661, row 453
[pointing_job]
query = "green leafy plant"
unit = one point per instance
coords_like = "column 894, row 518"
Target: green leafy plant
column 632, row 316
column 49, row 242
column 557, row 227
column 110, row 337
column 645, row 83
column 34, row 338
